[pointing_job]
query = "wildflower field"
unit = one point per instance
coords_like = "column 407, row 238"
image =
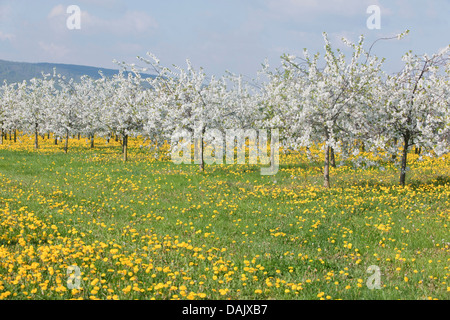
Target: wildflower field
column 150, row 229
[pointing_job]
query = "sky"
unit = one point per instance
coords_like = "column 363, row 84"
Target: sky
column 217, row 35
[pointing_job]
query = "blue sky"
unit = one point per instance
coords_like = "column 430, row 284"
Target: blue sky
column 218, row 35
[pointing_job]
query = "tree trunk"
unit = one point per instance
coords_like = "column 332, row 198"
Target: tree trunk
column 417, row 150
column 10, row 135
column 125, row 148
column 48, row 135
column 363, row 147
column 36, row 143
column 1, row 135
column 56, row 141
column 332, row 158
column 15, row 135
column 326, row 169
column 308, row 153
column 92, row 141
column 66, row 144
column 201, row 154
column 78, row 136
column 394, row 156
column 404, row 160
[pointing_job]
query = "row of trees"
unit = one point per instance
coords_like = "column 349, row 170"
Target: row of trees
column 344, row 103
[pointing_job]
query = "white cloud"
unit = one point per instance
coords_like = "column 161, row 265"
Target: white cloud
column 406, row 9
column 5, row 12
column 54, row 50
column 57, row 11
column 139, row 21
column 312, row 8
column 131, row 22
column 106, row 4
column 6, row 36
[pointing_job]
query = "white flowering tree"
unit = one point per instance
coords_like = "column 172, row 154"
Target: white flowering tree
column 124, row 115
column 94, row 97
column 320, row 104
column 3, row 102
column 242, row 107
column 35, row 99
column 187, row 101
column 413, row 108
column 280, row 99
column 8, row 98
column 64, row 116
column 336, row 101
column 11, row 106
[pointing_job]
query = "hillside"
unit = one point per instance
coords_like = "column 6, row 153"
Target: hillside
column 19, row 71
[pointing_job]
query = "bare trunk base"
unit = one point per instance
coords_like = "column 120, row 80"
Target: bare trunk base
column 125, row 148
column 332, row 158
column 66, row 144
column 326, row 169
column 36, row 141
column 404, row 161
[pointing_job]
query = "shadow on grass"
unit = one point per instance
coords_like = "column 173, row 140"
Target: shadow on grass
column 412, row 183
column 436, row 181
column 14, row 242
column 8, row 243
column 372, row 183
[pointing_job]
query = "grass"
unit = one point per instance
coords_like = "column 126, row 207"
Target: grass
column 149, row 229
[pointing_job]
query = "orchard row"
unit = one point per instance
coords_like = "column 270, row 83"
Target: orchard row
column 344, row 103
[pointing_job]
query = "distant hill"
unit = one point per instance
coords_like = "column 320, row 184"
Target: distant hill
column 19, row 71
